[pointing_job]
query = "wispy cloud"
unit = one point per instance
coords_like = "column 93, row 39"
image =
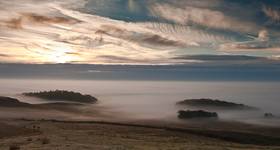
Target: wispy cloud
column 56, row 35
column 219, row 57
column 188, row 15
column 272, row 13
column 260, row 43
column 155, row 32
column 4, row 55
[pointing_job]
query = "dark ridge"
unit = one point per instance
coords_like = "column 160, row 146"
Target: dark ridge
column 196, row 114
column 7, row 102
column 12, row 102
column 214, row 103
column 63, row 95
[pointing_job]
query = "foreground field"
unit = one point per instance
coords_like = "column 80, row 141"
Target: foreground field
column 51, row 135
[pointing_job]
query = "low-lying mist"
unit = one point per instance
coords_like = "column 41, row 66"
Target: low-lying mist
column 155, row 100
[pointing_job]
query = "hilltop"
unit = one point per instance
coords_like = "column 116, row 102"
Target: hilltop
column 214, row 103
column 63, row 95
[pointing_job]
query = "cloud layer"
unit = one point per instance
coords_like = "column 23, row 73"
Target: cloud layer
column 136, row 32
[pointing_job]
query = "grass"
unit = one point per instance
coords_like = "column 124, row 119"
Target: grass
column 230, row 136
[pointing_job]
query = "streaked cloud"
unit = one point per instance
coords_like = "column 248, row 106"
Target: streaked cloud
column 4, row 55
column 251, row 46
column 220, row 57
column 188, row 15
column 260, row 43
column 135, row 32
column 272, row 13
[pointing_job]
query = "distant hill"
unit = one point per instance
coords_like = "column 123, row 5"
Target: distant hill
column 12, row 102
column 213, row 103
column 8, row 102
column 62, row 95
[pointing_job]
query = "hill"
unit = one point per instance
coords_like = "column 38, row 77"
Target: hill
column 62, row 95
column 214, row 103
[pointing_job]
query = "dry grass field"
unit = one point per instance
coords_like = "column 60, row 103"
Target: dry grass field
column 49, row 135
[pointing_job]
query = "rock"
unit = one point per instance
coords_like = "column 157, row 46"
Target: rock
column 196, row 114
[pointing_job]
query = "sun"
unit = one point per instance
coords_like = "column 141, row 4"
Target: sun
column 61, row 55
column 54, row 54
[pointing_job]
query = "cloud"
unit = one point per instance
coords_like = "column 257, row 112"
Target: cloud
column 120, row 59
column 47, row 19
column 72, row 53
column 272, row 13
column 155, row 32
column 219, row 57
column 14, row 23
column 277, row 57
column 191, row 36
column 263, row 35
column 31, row 18
column 251, row 46
column 67, row 35
column 220, row 60
column 4, row 55
column 197, row 3
column 188, row 15
column 141, row 38
column 112, row 59
column 158, row 40
column 262, row 42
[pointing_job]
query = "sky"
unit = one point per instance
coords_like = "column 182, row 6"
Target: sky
column 140, row 32
column 186, row 72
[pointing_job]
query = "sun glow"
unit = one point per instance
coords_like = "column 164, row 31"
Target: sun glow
column 59, row 58
column 58, row 54
column 61, row 55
